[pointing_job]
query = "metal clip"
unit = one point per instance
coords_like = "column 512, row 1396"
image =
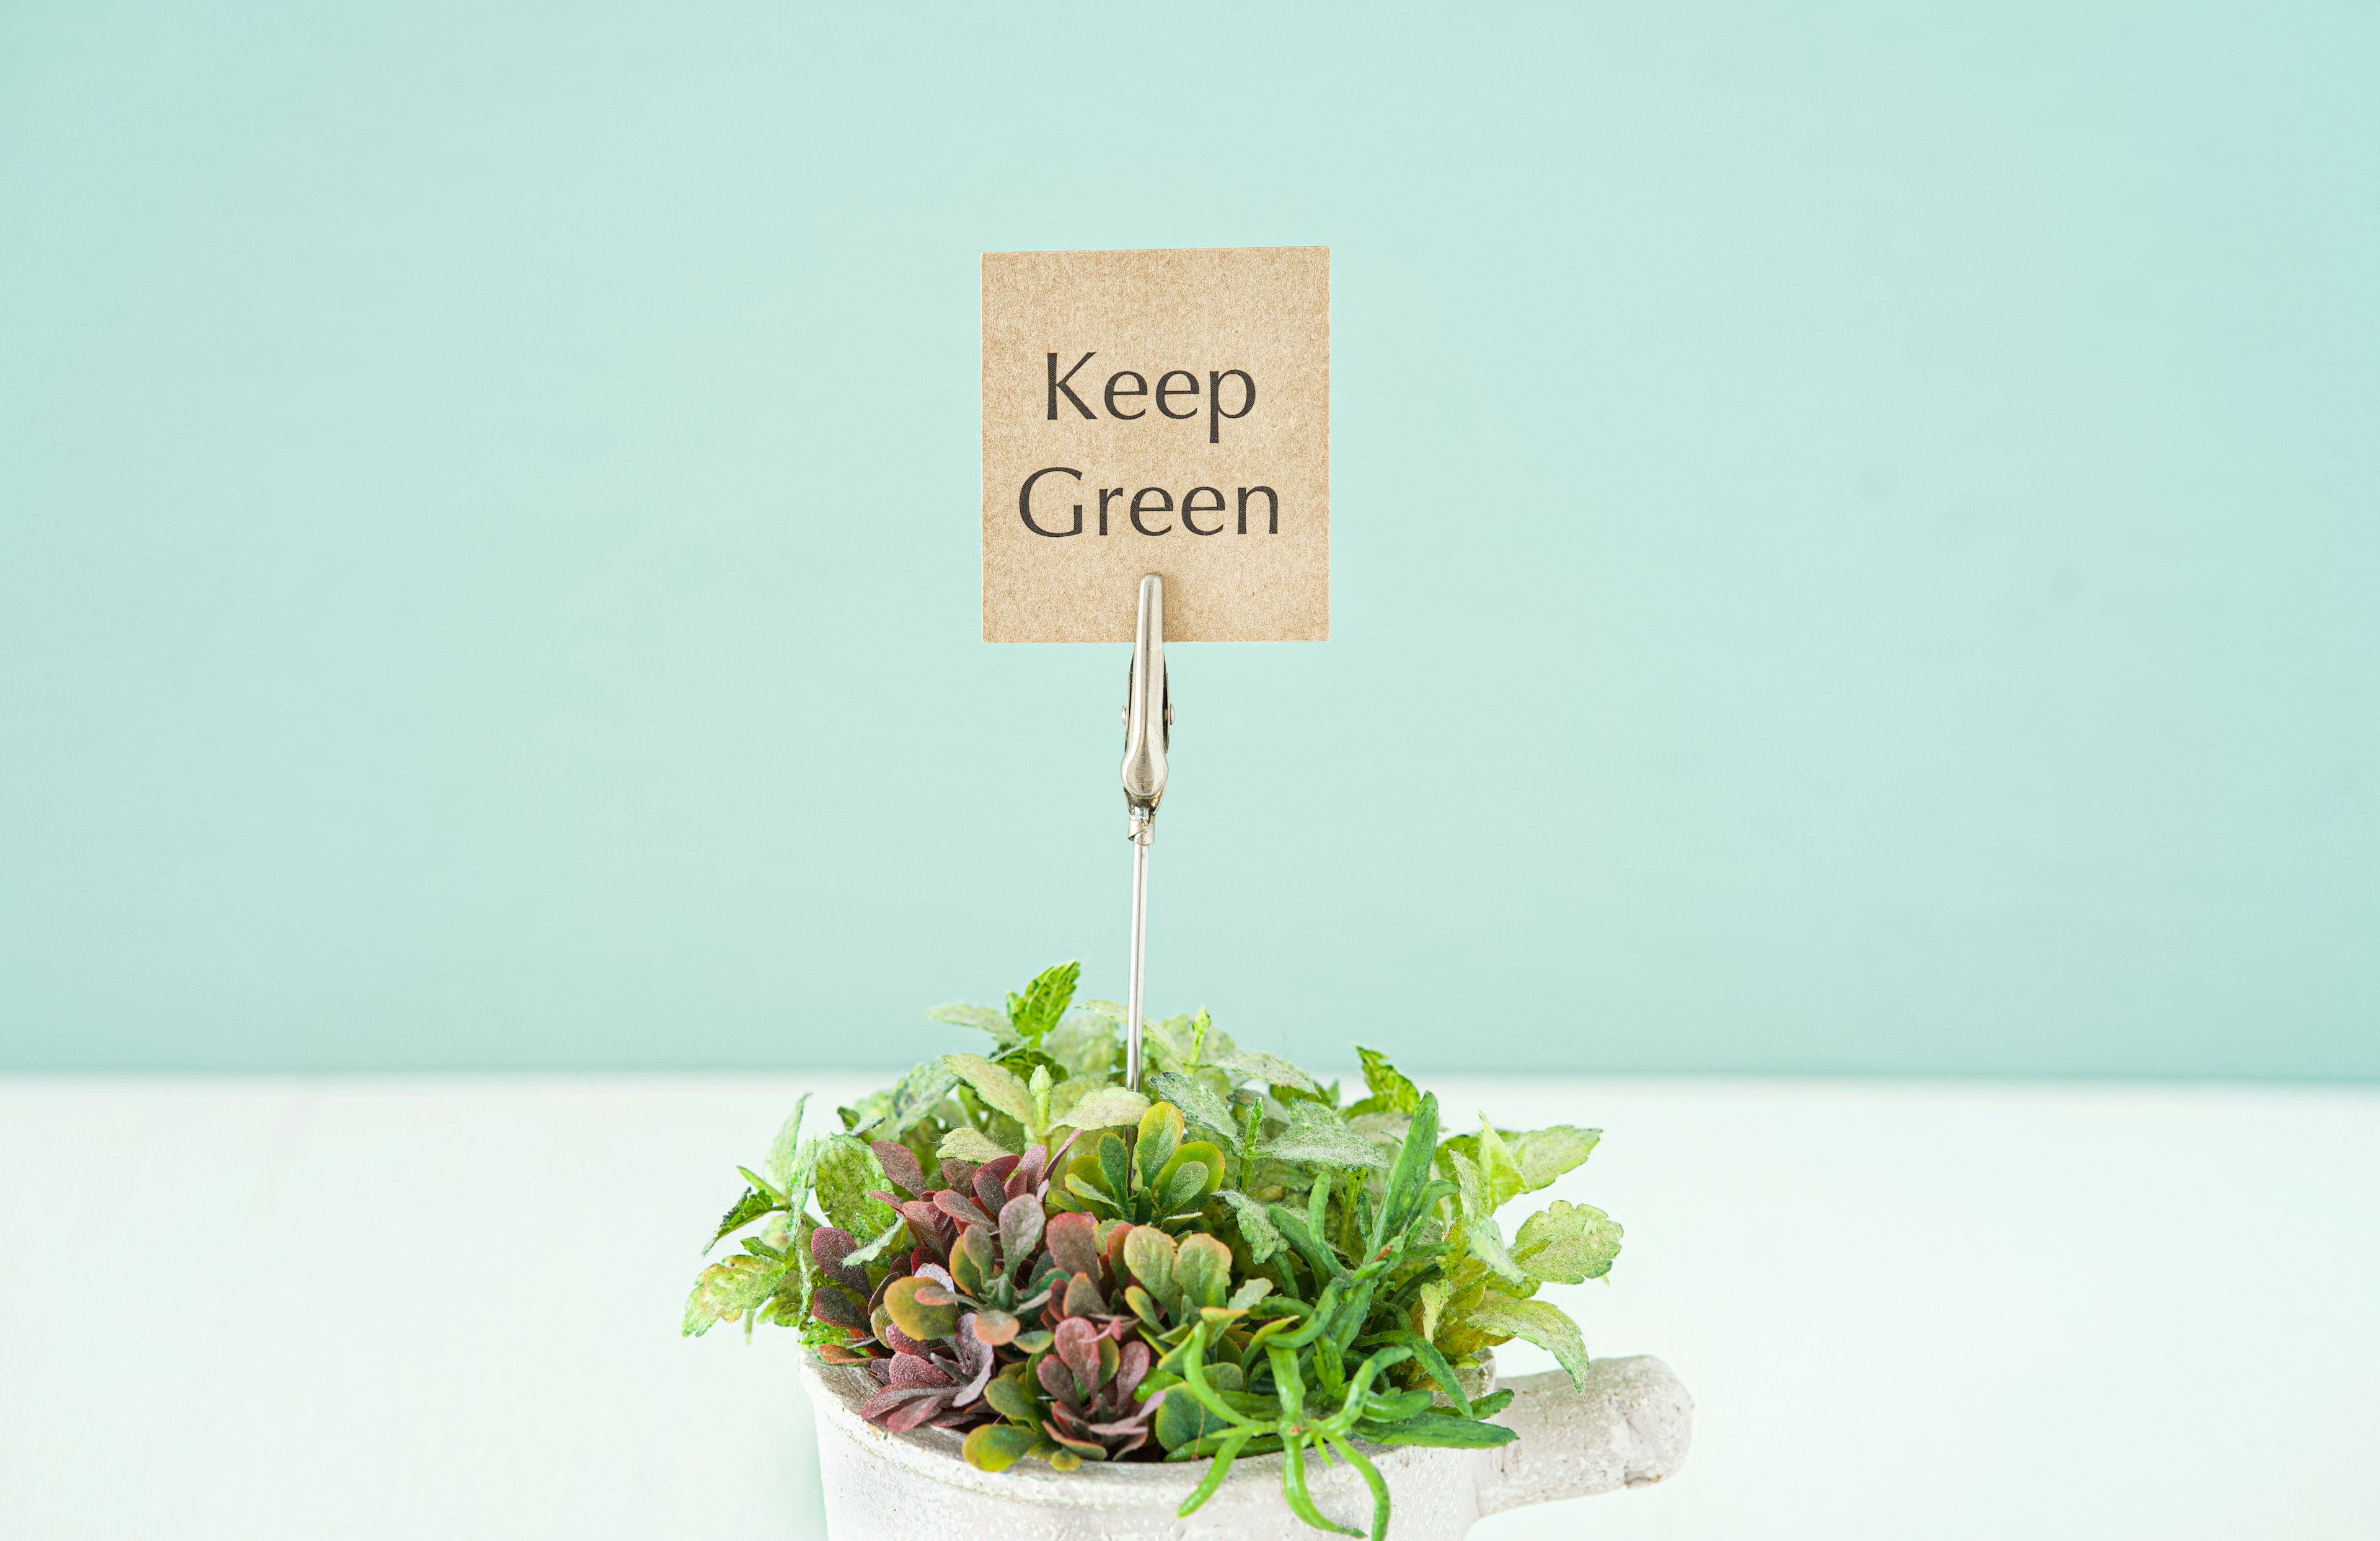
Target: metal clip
column 1147, row 734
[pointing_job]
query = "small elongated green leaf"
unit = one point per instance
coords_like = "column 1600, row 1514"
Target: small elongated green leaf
column 1434, row 1365
column 1406, row 1192
column 729, row 1288
column 1390, row 1089
column 1197, row 1101
column 1263, row 1237
column 1316, row 1133
column 1544, row 1155
column 1568, row 1244
column 1541, row 1322
column 1436, row 1428
column 1109, row 1108
column 999, row 1088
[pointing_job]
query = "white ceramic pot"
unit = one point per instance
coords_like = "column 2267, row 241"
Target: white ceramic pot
column 1629, row 1427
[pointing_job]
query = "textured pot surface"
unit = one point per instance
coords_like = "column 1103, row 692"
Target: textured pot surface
column 1631, row 1426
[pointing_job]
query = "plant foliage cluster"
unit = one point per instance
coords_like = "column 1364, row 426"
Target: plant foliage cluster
column 1018, row 1247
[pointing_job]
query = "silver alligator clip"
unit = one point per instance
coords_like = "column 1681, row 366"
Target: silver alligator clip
column 1148, row 733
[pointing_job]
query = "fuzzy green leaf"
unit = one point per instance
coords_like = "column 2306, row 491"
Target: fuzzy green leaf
column 1248, row 1065
column 751, row 1206
column 1541, row 1322
column 778, row 1166
column 1544, row 1155
column 1569, row 1243
column 1264, row 1239
column 1196, row 1101
column 729, row 1288
column 1109, row 1108
column 971, row 1145
column 913, row 1099
column 982, row 1018
column 1317, row 1135
column 1084, row 1044
column 1000, row 1089
column 848, row 1173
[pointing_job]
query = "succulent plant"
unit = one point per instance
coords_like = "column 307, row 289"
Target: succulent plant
column 1020, row 1250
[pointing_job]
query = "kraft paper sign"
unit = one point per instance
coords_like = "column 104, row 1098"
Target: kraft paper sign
column 1164, row 412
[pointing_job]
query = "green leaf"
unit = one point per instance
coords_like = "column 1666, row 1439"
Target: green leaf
column 1480, row 1233
column 1044, row 1001
column 999, row 1088
column 1256, row 1227
column 1149, row 1254
column 1540, row 1322
column 1545, row 1154
column 779, row 1164
column 1405, row 1194
column 1072, row 1090
column 1434, row 1365
column 751, row 1206
column 1197, row 1101
column 982, row 1018
column 1499, row 1173
column 1248, row 1064
column 1316, row 1133
column 1160, row 1137
column 997, row 1447
column 1436, row 1428
column 922, row 1308
column 915, row 1097
column 1109, row 1108
column 871, row 1250
column 729, row 1288
column 1202, row 1268
column 1568, row 1244
column 848, row 1173
column 1084, row 1044
column 971, row 1145
column 1391, row 1090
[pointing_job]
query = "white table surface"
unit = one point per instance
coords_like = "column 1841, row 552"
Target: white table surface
column 448, row 1308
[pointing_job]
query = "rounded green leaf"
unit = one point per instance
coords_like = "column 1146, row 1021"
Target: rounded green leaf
column 1148, row 1253
column 922, row 1308
column 997, row 1447
column 1202, row 1268
column 1160, row 1136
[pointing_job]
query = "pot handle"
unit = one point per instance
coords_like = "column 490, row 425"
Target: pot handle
column 1629, row 1426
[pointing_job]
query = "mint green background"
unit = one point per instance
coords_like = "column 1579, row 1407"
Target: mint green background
column 1855, row 536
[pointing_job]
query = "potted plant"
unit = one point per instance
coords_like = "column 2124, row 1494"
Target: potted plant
column 1041, row 1303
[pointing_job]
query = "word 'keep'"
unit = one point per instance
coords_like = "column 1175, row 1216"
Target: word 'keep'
column 1127, row 395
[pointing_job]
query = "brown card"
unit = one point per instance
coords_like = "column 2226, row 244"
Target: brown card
column 1164, row 412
